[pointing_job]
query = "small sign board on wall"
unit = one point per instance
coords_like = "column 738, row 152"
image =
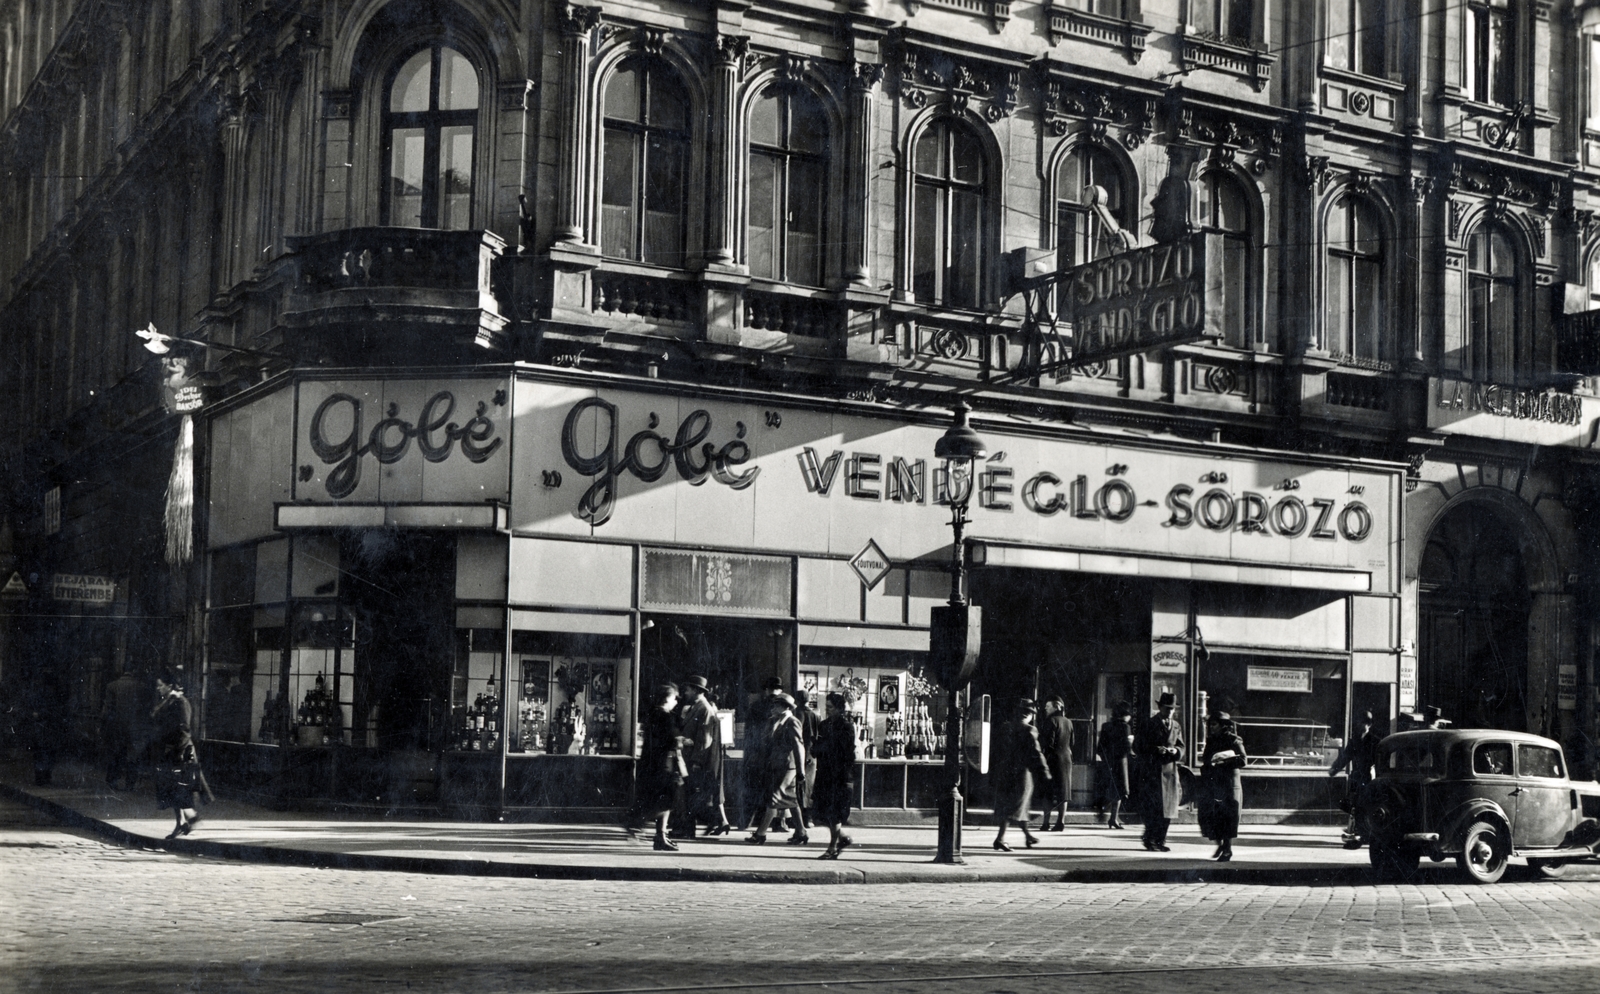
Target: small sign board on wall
column 1292, row 680
column 1408, row 682
column 1169, row 658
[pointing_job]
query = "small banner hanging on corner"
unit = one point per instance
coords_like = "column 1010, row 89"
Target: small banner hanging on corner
column 183, row 392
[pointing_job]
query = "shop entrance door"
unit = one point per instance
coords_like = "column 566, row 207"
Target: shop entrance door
column 1473, row 643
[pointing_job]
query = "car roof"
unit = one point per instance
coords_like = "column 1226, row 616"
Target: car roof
column 1450, row 736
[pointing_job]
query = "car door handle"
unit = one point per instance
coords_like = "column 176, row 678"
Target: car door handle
column 1515, row 791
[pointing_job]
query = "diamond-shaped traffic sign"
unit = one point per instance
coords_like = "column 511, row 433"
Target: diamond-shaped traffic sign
column 870, row 564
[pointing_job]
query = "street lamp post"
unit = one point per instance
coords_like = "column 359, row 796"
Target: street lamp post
column 954, row 630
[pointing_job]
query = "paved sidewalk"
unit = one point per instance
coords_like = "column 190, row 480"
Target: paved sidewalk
column 1086, row 853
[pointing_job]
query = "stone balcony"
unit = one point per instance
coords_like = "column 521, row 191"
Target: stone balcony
column 363, row 295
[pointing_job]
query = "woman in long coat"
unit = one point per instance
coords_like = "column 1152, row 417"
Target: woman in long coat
column 835, row 789
column 177, row 768
column 661, row 769
column 1114, row 747
column 1018, row 761
column 1221, row 790
column 785, row 766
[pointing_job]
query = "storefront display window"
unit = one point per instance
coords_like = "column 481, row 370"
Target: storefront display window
column 572, row 695
column 474, row 690
column 898, row 715
column 322, row 679
column 266, row 706
column 1290, row 709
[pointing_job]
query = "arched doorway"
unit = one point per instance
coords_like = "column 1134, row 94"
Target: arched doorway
column 1474, row 605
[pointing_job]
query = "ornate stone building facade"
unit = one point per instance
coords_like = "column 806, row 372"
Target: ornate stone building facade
column 803, row 210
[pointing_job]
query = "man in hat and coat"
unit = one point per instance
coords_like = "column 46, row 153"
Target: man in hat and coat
column 1055, row 737
column 1359, row 755
column 1018, row 761
column 1158, row 743
column 702, row 755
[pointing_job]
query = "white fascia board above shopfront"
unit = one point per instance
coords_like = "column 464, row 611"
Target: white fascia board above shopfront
column 448, row 516
column 982, row 553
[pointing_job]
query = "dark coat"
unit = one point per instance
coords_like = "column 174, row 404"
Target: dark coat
column 177, row 768
column 1115, row 751
column 1055, row 738
column 1018, row 760
column 1158, row 744
column 660, row 764
column 1359, row 756
column 835, row 790
column 1221, row 794
column 702, row 754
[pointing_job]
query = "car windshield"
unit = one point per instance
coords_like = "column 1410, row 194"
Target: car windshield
column 1419, row 758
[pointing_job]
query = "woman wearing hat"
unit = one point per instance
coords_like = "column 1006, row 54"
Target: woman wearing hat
column 177, row 768
column 785, row 766
column 661, row 769
column 1114, row 748
column 1221, row 790
column 835, row 789
column 1018, row 759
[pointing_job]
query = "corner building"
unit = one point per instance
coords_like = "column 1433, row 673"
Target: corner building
column 589, row 347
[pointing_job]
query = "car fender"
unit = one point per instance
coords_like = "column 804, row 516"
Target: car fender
column 1453, row 827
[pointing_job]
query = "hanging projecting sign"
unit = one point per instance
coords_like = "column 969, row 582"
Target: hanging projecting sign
column 1169, row 658
column 1293, row 680
column 870, row 564
column 83, row 589
column 740, row 473
column 1135, row 301
column 1513, row 414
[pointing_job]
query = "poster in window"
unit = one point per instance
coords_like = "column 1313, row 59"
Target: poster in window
column 1281, row 679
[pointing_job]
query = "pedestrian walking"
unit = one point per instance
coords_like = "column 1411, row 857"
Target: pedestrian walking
column 1358, row 757
column 1018, row 760
column 1055, row 738
column 753, row 771
column 835, row 788
column 1158, row 745
column 1221, row 788
column 177, row 767
column 1114, row 750
column 120, row 719
column 661, row 769
column 702, row 754
column 785, row 769
column 810, row 724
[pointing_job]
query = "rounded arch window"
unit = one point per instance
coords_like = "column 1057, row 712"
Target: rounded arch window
column 1225, row 210
column 643, row 193
column 430, row 126
column 1082, row 235
column 1354, row 292
column 1493, row 319
column 949, row 224
column 788, row 177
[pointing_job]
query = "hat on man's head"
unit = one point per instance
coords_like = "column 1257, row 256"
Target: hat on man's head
column 1056, row 700
column 1432, row 711
column 1025, row 703
column 785, row 698
column 697, row 682
column 1167, row 700
column 771, row 683
column 1366, row 716
column 1123, row 708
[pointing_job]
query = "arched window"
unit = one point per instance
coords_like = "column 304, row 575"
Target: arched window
column 948, row 224
column 1081, row 236
column 429, row 124
column 1224, row 210
column 1493, row 327
column 643, row 194
column 1354, row 294
column 788, row 174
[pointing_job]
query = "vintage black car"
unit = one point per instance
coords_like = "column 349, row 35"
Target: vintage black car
column 1486, row 797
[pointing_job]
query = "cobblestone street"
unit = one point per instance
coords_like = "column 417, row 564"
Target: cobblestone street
column 82, row 915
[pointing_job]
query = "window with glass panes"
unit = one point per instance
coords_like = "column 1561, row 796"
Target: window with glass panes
column 643, row 194
column 1490, row 46
column 1356, row 35
column 1591, row 75
column 948, row 224
column 1492, row 319
column 1355, row 294
column 1224, row 210
column 1081, row 236
column 788, row 173
column 1232, row 20
column 430, row 121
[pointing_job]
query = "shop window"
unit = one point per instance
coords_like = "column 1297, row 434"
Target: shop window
column 1357, row 35
column 1354, row 289
column 429, row 128
column 1492, row 759
column 322, row 679
column 1489, row 44
column 266, row 702
column 788, row 175
column 1493, row 317
column 1081, row 235
column 1232, row 21
column 1290, row 710
column 1225, row 211
column 1539, row 761
column 572, row 695
column 949, row 221
column 898, row 717
column 475, row 700
column 643, row 195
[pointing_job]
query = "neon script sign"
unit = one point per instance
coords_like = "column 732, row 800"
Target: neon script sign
column 390, row 439
column 648, row 455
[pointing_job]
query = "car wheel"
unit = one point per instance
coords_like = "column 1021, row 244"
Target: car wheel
column 1484, row 853
column 1393, row 864
column 1546, row 869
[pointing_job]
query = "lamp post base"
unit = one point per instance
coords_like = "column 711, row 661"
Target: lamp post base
column 952, row 807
